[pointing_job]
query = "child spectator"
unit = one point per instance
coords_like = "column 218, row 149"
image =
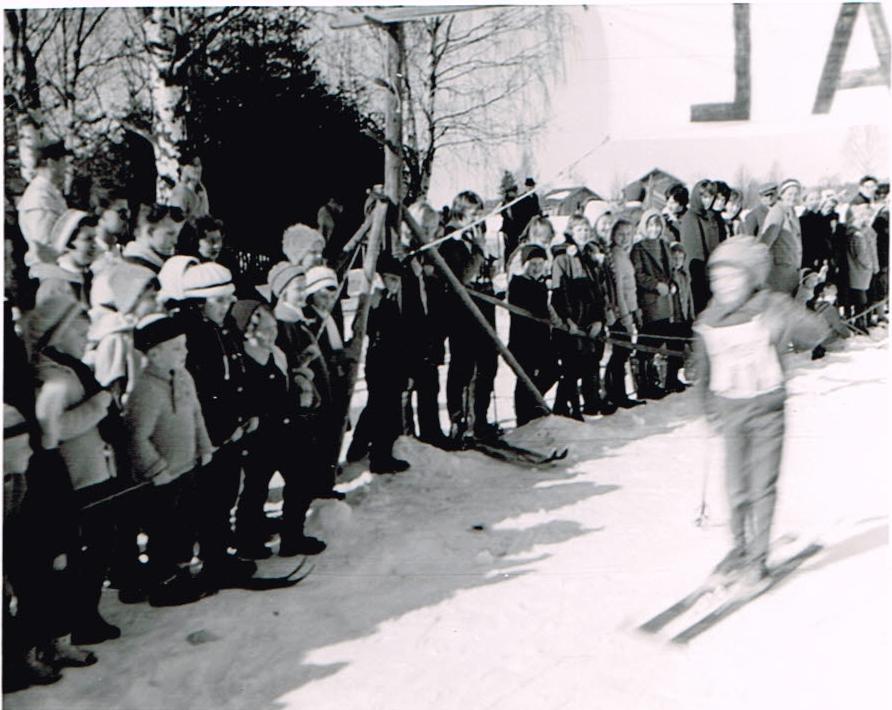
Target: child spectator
column 655, row 289
column 168, row 441
column 731, row 214
column 740, row 338
column 699, row 236
column 580, row 306
column 71, row 410
column 824, row 304
column 530, row 341
column 862, row 260
column 385, row 371
column 157, row 230
column 216, row 362
column 627, row 314
column 303, row 246
column 682, row 315
column 539, row 231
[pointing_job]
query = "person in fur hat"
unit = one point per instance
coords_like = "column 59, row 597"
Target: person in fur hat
column 74, row 415
column 272, row 392
column 216, row 361
column 740, row 338
column 386, row 365
column 168, row 440
column 158, row 228
column 74, row 238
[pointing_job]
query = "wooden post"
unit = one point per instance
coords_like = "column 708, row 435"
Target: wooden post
column 465, row 297
column 383, row 215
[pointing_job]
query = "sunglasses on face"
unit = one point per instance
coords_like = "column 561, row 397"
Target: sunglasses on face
column 157, row 212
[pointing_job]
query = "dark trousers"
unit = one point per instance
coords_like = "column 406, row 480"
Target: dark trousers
column 615, row 373
column 169, row 514
column 572, row 365
column 473, row 358
column 699, row 284
column 382, row 418
column 753, row 432
column 216, row 492
column 266, row 455
column 94, row 549
column 591, row 374
column 540, row 365
column 45, row 527
column 426, row 385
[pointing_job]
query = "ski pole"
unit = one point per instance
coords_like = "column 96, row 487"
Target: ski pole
column 702, row 512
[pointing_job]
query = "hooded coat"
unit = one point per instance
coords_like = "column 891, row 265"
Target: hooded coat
column 653, row 265
column 699, row 229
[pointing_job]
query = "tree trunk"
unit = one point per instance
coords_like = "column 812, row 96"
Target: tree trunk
column 25, row 93
column 169, row 98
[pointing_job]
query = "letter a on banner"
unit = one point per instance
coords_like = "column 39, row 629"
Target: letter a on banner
column 833, row 78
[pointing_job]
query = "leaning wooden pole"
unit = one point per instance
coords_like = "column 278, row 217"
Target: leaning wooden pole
column 465, row 297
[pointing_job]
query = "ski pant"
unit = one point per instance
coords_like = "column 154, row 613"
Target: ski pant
column 300, row 474
column 543, row 371
column 169, row 513
column 472, row 358
column 216, row 492
column 753, row 433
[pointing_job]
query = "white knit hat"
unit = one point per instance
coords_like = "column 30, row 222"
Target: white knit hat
column 207, row 281
column 120, row 286
column 320, row 277
column 63, row 228
column 171, row 277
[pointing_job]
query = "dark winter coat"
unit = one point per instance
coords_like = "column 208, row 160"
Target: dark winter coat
column 307, row 374
column 624, row 280
column 216, row 362
column 683, row 299
column 817, row 239
column 467, row 261
column 881, row 227
column 423, row 311
column 653, row 265
column 575, row 295
column 527, row 335
column 699, row 228
column 389, row 342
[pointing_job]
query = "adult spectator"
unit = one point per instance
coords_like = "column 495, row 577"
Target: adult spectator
column 881, row 227
column 677, row 198
column 783, row 237
column 327, row 218
column 731, row 214
column 722, row 196
column 816, row 224
column 43, row 202
column 157, row 230
column 699, row 236
column 189, row 194
column 752, row 225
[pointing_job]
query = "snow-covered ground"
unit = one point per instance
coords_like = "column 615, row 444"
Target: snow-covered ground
column 470, row 584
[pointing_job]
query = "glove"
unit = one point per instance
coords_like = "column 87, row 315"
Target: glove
column 662, row 289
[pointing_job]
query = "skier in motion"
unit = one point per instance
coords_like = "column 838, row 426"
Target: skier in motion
column 739, row 339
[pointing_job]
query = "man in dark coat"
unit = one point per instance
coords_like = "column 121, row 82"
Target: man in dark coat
column 516, row 218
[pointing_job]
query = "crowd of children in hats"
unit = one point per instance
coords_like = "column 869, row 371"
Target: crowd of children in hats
column 152, row 390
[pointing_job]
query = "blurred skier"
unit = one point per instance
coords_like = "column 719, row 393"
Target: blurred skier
column 739, row 340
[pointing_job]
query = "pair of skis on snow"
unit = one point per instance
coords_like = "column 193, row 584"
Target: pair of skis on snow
column 731, row 598
column 295, row 576
column 501, row 450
